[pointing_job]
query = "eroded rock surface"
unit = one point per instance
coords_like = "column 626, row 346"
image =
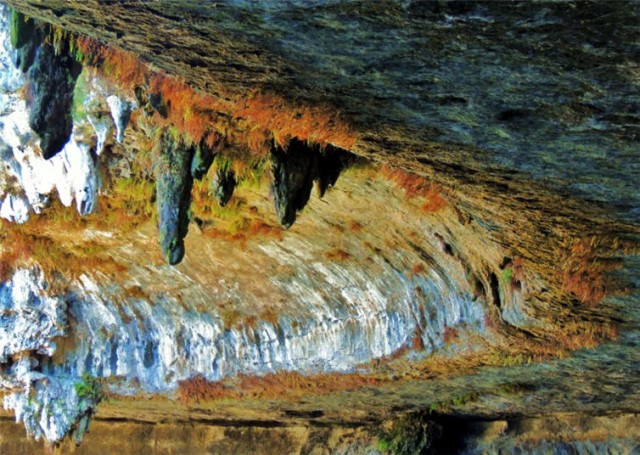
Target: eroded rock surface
column 522, row 254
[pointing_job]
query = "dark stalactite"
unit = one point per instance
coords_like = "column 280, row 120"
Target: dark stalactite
column 295, row 169
column 173, row 193
column 330, row 164
column 51, row 75
column 292, row 171
column 223, row 185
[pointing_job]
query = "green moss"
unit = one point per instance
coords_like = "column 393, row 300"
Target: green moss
column 136, row 196
column 457, row 401
column 383, row 445
column 59, row 39
column 89, row 388
column 412, row 434
column 255, row 176
column 80, row 95
column 21, row 29
column 507, row 274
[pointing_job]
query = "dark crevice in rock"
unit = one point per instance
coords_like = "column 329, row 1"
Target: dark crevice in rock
column 495, row 290
column 223, row 184
column 506, row 262
column 446, row 247
column 314, row 414
column 478, row 289
column 202, row 161
column 510, row 115
column 173, row 190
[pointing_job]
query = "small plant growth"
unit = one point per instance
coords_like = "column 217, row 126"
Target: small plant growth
column 410, row 434
column 89, row 388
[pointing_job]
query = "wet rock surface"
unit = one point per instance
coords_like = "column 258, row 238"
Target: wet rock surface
column 173, row 193
column 525, row 120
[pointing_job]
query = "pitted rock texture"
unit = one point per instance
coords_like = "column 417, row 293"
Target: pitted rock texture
column 30, row 321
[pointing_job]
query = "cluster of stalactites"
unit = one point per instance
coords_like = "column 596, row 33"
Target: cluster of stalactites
column 52, row 72
column 293, row 170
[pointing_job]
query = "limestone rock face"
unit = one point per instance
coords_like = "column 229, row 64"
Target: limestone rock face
column 30, row 321
column 472, row 254
column 49, row 405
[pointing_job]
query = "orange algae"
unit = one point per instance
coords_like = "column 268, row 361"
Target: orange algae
column 583, row 274
column 283, row 385
column 250, row 120
column 415, row 186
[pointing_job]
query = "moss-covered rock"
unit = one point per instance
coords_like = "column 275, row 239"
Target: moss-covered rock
column 25, row 38
column 173, row 192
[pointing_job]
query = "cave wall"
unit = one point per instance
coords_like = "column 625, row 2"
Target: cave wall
column 365, row 274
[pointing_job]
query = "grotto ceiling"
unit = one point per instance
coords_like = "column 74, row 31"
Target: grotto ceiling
column 300, row 225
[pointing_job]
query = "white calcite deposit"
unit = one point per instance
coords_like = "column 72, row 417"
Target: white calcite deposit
column 72, row 175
